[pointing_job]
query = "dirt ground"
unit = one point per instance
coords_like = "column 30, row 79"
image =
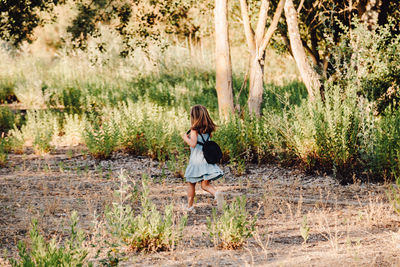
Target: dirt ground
column 353, row 225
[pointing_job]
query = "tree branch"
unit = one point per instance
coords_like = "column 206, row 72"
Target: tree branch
column 300, row 6
column 310, row 52
column 271, row 28
column 262, row 21
column 247, row 27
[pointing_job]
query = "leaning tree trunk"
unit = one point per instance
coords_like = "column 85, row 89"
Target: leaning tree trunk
column 309, row 76
column 223, row 60
column 256, row 89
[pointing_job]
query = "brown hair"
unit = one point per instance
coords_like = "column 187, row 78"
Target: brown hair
column 201, row 120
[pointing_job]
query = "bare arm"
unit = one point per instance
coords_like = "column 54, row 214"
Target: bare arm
column 190, row 139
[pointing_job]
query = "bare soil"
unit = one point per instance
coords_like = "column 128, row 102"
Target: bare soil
column 353, row 225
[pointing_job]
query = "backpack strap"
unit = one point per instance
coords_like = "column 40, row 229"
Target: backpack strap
column 200, row 143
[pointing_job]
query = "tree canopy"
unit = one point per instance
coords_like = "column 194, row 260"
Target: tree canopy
column 19, row 18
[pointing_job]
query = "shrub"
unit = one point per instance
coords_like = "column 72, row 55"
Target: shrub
column 73, row 129
column 15, row 142
column 41, row 143
column 179, row 156
column 3, row 151
column 233, row 227
column 30, row 92
column 7, row 119
column 39, row 130
column 43, row 253
column 147, row 231
column 370, row 60
column 385, row 159
column 148, row 131
column 101, row 140
column 6, row 90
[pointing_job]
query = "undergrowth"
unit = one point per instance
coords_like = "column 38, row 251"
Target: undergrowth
column 52, row 253
column 233, row 227
column 144, row 229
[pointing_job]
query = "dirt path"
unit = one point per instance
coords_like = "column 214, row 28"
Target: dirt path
column 352, row 225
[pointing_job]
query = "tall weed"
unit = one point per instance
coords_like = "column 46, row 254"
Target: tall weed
column 101, row 139
column 235, row 225
column 38, row 131
column 3, row 151
column 7, row 120
column 147, row 231
column 44, row 253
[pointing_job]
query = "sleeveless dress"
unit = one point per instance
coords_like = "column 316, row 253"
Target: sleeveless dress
column 198, row 168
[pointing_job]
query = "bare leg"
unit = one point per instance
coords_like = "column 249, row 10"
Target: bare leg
column 206, row 186
column 191, row 191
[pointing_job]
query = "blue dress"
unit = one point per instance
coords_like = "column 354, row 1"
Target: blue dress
column 198, row 168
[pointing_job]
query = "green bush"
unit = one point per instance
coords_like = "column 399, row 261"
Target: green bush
column 73, row 129
column 39, row 130
column 233, row 227
column 44, row 253
column 7, row 120
column 3, row 151
column 7, row 90
column 41, row 143
column 15, row 142
column 370, row 60
column 385, row 158
column 101, row 140
column 147, row 231
column 178, row 157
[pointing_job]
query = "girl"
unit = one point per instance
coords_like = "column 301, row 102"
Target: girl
column 198, row 169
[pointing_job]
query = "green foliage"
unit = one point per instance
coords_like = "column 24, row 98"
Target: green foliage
column 72, row 128
column 41, row 143
column 305, row 229
column 69, row 97
column 247, row 139
column 179, row 156
column 369, row 60
column 393, row 194
column 335, row 135
column 385, row 159
column 3, row 151
column 101, row 139
column 233, row 227
column 39, row 130
column 43, row 253
column 343, row 133
column 7, row 120
column 7, row 85
column 139, row 22
column 20, row 18
column 15, row 142
column 147, row 231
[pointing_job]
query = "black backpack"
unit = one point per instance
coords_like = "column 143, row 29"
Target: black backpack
column 211, row 150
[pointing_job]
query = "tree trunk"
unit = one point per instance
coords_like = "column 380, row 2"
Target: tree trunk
column 256, row 89
column 309, row 76
column 257, row 42
column 223, row 60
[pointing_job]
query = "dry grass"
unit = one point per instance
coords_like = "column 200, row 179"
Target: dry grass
column 353, row 225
